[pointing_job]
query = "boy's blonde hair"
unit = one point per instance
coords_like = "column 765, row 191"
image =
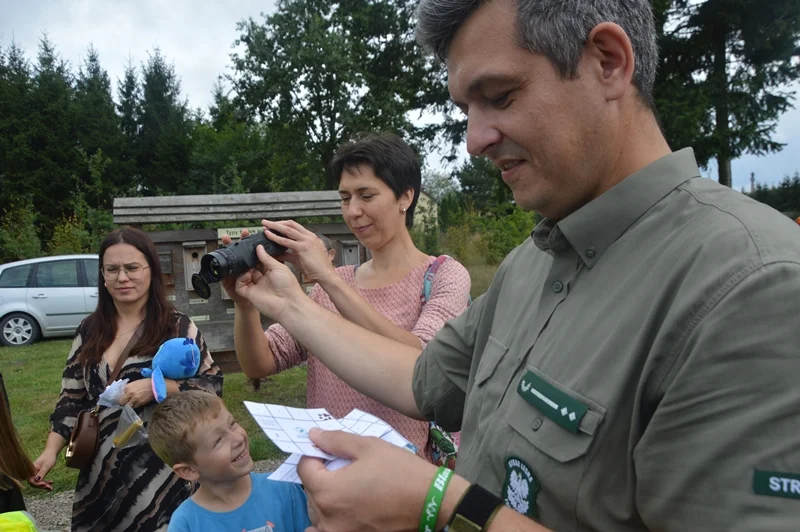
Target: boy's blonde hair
column 175, row 419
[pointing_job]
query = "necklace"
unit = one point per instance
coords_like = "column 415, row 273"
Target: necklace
column 130, row 331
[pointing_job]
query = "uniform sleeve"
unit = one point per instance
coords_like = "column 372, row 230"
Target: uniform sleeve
column 448, row 298
column 209, row 376
column 722, row 450
column 74, row 396
column 442, row 370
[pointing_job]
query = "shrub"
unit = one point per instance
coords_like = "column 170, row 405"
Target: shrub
column 69, row 236
column 18, row 237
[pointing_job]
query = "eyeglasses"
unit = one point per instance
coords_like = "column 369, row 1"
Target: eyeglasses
column 133, row 271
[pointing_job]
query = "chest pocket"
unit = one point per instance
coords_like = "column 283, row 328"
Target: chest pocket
column 557, row 455
column 485, row 394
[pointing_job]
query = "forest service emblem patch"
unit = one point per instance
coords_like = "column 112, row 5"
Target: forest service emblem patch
column 520, row 487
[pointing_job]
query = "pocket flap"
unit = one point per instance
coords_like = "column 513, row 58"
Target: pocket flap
column 545, row 431
column 492, row 354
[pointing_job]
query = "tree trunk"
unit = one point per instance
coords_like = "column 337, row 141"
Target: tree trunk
column 721, row 105
column 724, row 170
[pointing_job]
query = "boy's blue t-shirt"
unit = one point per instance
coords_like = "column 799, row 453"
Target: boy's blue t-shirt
column 271, row 507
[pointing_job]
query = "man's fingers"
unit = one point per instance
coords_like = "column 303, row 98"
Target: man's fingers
column 226, row 240
column 309, row 469
column 339, row 443
column 266, row 259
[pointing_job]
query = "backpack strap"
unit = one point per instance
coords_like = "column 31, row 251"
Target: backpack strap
column 428, row 279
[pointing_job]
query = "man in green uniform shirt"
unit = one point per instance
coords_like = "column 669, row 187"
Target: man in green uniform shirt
column 634, row 365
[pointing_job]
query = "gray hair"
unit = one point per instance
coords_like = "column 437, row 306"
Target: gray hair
column 325, row 240
column 557, row 29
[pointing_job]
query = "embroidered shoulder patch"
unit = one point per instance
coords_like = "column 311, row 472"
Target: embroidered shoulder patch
column 774, row 484
column 520, row 487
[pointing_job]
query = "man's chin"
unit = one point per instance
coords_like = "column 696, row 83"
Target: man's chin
column 528, row 202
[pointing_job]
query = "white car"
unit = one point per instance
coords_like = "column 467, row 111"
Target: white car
column 48, row 296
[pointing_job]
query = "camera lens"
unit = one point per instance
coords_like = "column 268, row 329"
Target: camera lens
column 214, row 266
column 216, row 269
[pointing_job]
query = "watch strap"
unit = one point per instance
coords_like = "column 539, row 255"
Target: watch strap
column 475, row 510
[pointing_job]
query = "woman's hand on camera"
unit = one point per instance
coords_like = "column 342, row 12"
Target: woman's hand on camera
column 308, row 253
column 42, row 467
column 229, row 283
column 273, row 289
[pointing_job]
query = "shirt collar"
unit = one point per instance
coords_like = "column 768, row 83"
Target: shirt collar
column 594, row 227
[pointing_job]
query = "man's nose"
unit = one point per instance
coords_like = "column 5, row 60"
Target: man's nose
column 481, row 135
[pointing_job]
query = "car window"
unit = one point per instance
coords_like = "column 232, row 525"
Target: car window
column 16, row 277
column 92, row 268
column 61, row 273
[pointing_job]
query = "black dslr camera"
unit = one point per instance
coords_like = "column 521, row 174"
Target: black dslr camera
column 232, row 260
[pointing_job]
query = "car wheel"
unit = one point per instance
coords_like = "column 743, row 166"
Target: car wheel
column 18, row 329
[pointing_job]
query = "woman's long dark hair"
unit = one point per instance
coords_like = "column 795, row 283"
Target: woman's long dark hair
column 15, row 465
column 100, row 328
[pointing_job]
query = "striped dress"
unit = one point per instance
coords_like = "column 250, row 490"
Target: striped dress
column 127, row 489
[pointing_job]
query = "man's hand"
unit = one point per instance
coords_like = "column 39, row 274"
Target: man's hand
column 137, row 393
column 273, row 289
column 307, row 250
column 383, row 489
column 229, row 283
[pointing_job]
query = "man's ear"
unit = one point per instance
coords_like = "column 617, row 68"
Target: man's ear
column 186, row 471
column 612, row 61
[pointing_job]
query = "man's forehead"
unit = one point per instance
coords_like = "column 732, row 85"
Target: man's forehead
column 481, row 45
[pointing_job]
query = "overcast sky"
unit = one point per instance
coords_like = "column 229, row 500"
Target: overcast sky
column 197, row 37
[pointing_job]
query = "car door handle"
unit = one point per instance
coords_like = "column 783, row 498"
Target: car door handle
column 92, row 295
column 40, row 296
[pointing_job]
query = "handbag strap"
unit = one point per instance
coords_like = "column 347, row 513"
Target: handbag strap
column 124, row 355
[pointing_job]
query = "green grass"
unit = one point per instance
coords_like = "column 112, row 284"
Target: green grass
column 32, row 376
column 481, row 276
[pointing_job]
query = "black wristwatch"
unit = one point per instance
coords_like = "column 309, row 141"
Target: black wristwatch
column 475, row 511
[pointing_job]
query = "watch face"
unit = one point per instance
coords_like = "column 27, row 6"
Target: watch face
column 462, row 524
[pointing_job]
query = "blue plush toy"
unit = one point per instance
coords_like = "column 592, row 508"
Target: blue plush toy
column 178, row 358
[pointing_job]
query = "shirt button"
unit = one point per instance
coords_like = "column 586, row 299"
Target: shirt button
column 537, row 423
column 558, row 286
column 590, row 253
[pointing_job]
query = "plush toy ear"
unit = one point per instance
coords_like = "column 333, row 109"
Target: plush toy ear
column 146, row 372
column 159, row 386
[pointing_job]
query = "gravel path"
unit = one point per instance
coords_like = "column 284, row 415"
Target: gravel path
column 53, row 512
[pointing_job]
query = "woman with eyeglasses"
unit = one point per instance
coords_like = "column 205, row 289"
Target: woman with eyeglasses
column 126, row 488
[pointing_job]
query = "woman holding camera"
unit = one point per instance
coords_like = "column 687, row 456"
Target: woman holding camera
column 124, row 488
column 379, row 182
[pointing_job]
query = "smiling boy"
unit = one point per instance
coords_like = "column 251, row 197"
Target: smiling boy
column 195, row 434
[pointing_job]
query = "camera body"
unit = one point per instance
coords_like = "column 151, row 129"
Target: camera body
column 232, row 260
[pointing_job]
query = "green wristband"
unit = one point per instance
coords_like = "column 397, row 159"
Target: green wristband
column 433, row 502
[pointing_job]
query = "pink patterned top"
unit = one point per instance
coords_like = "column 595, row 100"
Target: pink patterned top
column 401, row 304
